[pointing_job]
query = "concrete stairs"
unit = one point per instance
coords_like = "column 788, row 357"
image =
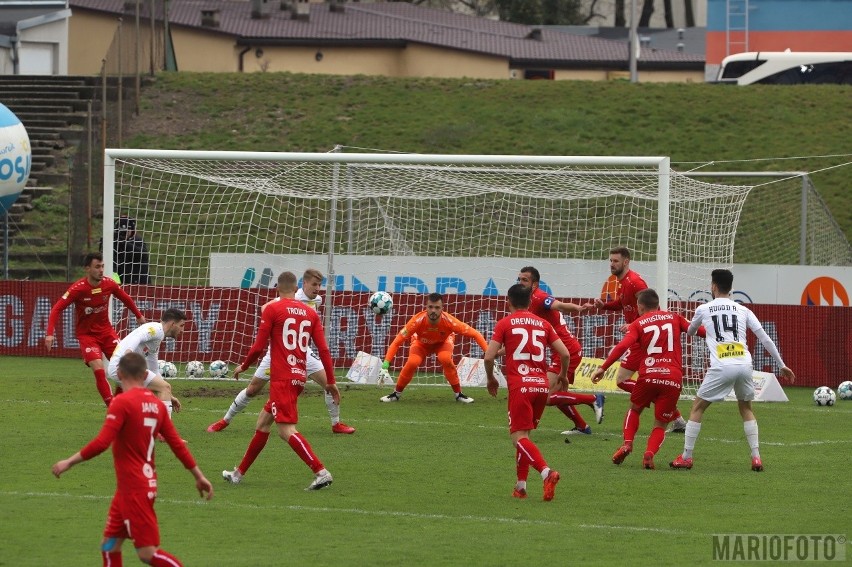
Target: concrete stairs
column 54, row 110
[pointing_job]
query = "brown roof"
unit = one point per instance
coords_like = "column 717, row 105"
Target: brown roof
column 398, row 23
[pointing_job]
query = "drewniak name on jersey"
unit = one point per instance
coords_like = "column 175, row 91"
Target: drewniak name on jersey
column 529, row 321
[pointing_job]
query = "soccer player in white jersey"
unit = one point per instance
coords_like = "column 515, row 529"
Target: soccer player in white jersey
column 146, row 340
column 726, row 323
column 308, row 294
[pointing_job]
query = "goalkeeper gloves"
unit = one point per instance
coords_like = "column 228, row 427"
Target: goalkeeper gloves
column 384, row 375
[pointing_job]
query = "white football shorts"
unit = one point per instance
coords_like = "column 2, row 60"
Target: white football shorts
column 720, row 380
column 313, row 365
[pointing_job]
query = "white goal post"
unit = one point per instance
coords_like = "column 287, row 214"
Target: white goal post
column 220, row 226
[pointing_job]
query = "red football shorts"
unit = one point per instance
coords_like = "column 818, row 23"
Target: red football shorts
column 662, row 392
column 283, row 398
column 131, row 516
column 526, row 404
column 573, row 363
column 632, row 359
column 94, row 347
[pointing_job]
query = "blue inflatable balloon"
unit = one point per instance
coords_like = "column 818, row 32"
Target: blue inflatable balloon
column 15, row 158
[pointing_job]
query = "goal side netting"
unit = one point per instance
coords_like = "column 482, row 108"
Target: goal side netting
column 220, row 226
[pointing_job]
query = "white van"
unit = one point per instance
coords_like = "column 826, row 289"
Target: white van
column 787, row 68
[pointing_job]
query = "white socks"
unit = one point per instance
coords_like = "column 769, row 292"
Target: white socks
column 238, row 405
column 689, row 438
column 544, row 472
column 333, row 409
column 750, row 428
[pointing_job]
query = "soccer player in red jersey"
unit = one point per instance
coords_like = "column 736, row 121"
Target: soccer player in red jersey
column 630, row 283
column 656, row 336
column 90, row 296
column 552, row 310
column 525, row 338
column 290, row 325
column 133, row 420
column 309, row 295
column 432, row 331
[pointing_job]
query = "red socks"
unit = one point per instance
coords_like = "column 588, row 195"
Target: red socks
column 572, row 414
column 631, row 425
column 522, row 465
column 527, row 451
column 258, row 442
column 111, row 558
column 104, row 389
column 165, row 559
column 302, row 448
column 655, row 441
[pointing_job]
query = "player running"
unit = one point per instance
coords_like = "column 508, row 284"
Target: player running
column 552, row 310
column 630, row 283
column 309, row 295
column 525, row 338
column 134, row 420
column 656, row 335
column 90, row 296
column 287, row 328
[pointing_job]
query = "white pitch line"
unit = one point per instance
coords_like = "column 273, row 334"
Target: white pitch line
column 356, row 511
column 414, row 422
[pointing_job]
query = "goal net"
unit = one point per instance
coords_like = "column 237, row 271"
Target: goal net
column 220, row 226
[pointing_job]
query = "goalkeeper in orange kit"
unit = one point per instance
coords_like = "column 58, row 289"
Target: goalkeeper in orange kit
column 431, row 332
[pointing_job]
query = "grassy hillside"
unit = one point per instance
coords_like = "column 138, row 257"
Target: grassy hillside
column 754, row 128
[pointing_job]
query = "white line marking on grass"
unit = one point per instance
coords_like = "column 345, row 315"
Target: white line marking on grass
column 357, row 511
column 632, row 529
column 315, row 509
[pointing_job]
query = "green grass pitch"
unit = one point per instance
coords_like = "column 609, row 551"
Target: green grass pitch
column 426, row 481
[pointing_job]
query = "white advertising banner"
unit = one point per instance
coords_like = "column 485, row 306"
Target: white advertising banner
column 753, row 283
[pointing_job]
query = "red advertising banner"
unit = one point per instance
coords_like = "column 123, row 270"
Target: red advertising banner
column 816, row 342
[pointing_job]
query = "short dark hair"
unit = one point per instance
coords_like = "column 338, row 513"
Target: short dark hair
column 519, row 296
column 648, row 298
column 91, row 257
column 287, row 281
column 132, row 365
column 434, row 297
column 535, row 275
column 624, row 251
column 173, row 314
column 724, row 279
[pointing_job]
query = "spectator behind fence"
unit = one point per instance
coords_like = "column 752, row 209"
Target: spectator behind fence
column 130, row 254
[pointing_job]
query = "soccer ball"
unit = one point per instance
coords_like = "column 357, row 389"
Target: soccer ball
column 824, row 396
column 195, row 369
column 844, row 391
column 218, row 368
column 167, row 369
column 381, row 303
